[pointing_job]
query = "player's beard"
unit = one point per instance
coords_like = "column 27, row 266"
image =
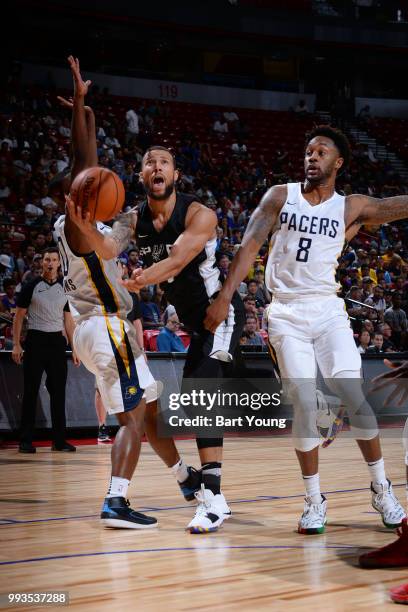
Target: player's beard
column 164, row 196
column 321, row 177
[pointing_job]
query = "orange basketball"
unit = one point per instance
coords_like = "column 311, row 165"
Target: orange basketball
column 98, row 191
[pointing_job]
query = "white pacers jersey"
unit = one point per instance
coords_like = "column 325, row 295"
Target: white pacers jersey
column 90, row 282
column 305, row 246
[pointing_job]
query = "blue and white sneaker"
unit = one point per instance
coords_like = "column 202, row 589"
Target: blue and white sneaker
column 117, row 513
column 192, row 483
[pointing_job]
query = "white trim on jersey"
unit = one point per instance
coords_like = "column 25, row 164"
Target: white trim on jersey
column 208, row 272
column 222, row 337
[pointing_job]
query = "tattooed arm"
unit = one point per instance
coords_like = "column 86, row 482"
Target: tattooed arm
column 260, row 225
column 109, row 245
column 361, row 209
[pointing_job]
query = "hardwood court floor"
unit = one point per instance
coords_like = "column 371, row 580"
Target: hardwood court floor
column 51, row 537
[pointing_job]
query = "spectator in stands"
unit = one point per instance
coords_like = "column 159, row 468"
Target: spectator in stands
column 32, row 214
column 133, row 261
column 150, row 310
column 8, row 300
column 262, row 288
column 355, row 310
column 256, row 293
column 302, row 108
column 224, row 263
column 35, row 269
column 366, row 289
column 239, row 148
column 24, row 263
column 167, row 340
column 368, row 326
column 386, row 332
column 231, row 117
column 132, row 120
column 6, row 271
column 377, row 344
column 376, row 299
column 250, row 307
column 4, row 216
column 397, row 320
column 364, row 116
column 364, row 340
column 254, row 338
column 220, row 127
column 7, row 250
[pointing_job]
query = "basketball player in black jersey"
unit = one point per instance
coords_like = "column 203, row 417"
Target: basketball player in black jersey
column 177, row 237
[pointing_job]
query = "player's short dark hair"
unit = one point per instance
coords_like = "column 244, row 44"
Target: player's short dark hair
column 340, row 140
column 160, row 148
column 49, row 250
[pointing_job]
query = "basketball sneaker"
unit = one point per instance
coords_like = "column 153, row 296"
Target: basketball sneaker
column 392, row 555
column 399, row 594
column 313, row 519
column 103, row 435
column 211, row 512
column 117, row 513
column 192, row 483
column 388, row 506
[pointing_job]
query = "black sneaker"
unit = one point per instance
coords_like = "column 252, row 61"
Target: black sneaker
column 103, row 435
column 117, row 513
column 191, row 484
column 26, row 447
column 66, row 447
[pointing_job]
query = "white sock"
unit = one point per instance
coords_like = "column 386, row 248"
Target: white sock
column 118, row 487
column 377, row 473
column 312, row 486
column 180, row 471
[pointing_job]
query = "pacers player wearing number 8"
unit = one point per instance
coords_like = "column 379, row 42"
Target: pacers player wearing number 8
column 307, row 323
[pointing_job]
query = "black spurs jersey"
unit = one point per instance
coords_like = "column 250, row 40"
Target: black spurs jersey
column 190, row 290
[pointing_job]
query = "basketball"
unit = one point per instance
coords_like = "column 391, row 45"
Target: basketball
column 98, row 191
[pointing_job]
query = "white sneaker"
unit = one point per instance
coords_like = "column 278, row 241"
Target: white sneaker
column 211, row 512
column 313, row 519
column 387, row 505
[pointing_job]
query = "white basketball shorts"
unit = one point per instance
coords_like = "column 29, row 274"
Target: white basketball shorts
column 306, row 332
column 107, row 347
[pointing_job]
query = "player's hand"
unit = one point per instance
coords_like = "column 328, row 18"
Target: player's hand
column 75, row 359
column 136, row 281
column 80, row 86
column 69, row 103
column 83, row 222
column 17, row 353
column 217, row 312
column 397, row 377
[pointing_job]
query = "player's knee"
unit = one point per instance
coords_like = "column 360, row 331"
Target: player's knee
column 305, row 445
column 364, row 433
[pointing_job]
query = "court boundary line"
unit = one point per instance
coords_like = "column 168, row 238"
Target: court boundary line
column 5, row 522
column 185, row 548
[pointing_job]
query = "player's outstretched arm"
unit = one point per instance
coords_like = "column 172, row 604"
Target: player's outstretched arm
column 200, row 227
column 397, row 376
column 79, row 127
column 107, row 246
column 260, row 225
column 363, row 209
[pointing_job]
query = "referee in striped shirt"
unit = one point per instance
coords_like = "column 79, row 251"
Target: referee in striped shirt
column 44, row 302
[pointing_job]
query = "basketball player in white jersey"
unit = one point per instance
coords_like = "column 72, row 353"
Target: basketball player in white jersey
column 104, row 336
column 307, row 322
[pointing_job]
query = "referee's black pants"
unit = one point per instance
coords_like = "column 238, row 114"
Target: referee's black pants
column 44, row 351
